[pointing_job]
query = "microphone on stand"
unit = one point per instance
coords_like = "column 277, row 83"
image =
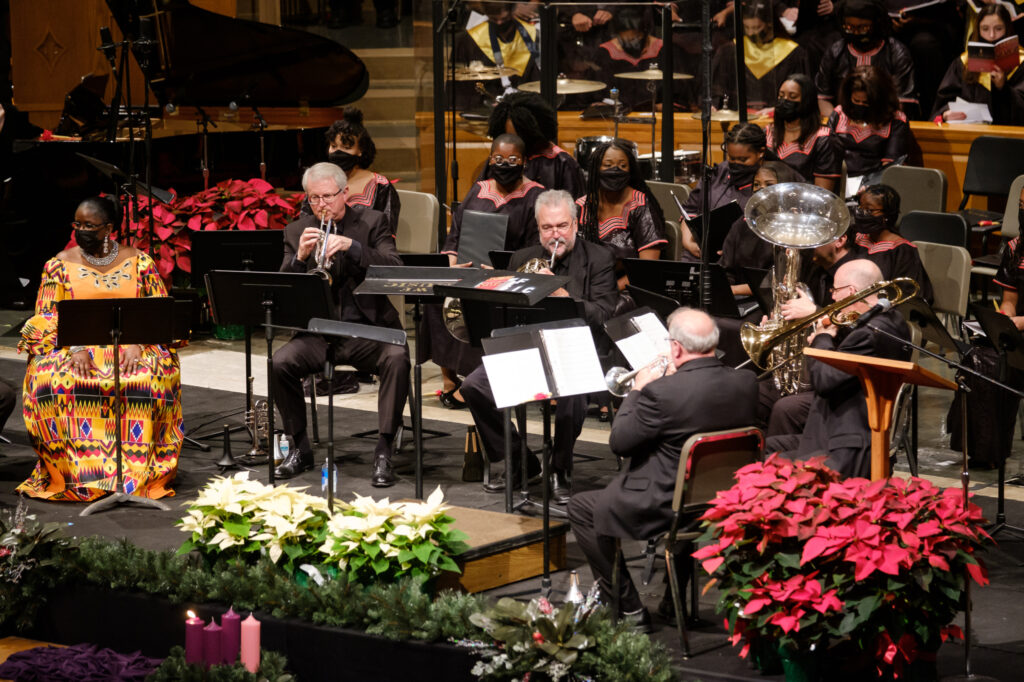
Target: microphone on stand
column 108, row 47
column 883, row 305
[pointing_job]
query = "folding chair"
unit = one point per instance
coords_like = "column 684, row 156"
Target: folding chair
column 663, row 191
column 937, row 228
column 920, row 189
column 674, row 234
column 992, row 164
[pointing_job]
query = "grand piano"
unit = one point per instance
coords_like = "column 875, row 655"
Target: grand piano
column 199, row 61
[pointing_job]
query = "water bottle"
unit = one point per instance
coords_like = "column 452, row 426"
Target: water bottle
column 323, row 478
column 282, row 449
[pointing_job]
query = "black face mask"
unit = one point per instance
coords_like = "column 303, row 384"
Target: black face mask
column 868, row 223
column 741, row 174
column 344, row 160
column 634, row 48
column 858, row 112
column 506, row 174
column 613, row 179
column 860, row 41
column 787, row 110
column 762, row 37
column 90, row 241
column 506, row 30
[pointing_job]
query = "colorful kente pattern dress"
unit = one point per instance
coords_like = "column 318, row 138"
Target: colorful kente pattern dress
column 70, row 420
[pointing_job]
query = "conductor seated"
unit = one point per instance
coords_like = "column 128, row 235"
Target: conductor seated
column 837, row 425
column 590, row 268
column 360, row 237
column 696, row 393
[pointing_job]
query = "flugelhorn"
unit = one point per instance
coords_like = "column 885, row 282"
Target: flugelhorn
column 256, row 421
column 759, row 343
column 322, row 262
column 620, row 380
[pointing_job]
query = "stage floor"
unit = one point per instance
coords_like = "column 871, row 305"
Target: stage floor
column 212, row 395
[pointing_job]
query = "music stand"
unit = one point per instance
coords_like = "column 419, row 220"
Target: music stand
column 147, row 321
column 681, row 281
column 269, row 298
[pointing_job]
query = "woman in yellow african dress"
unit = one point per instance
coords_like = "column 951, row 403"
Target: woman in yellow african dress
column 69, row 392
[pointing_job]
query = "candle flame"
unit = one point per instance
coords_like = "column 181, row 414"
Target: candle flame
column 191, row 614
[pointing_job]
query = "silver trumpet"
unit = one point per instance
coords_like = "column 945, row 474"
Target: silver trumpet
column 323, row 263
column 554, row 243
column 619, row 380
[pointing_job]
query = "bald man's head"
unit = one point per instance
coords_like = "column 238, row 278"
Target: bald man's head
column 695, row 331
column 861, row 273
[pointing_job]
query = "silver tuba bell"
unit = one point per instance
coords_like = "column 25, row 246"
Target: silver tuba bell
column 792, row 216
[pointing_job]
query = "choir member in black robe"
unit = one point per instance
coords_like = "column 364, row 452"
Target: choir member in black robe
column 518, row 43
column 731, row 180
column 527, row 115
column 797, row 137
column 1004, row 93
column 632, row 48
column 874, row 221
column 1011, row 275
column 932, row 35
column 868, row 122
column 865, row 26
column 768, row 55
column 506, row 192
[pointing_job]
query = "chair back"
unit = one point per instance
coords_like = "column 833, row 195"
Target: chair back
column 663, row 191
column 674, row 235
column 937, row 228
column 992, row 164
column 949, row 269
column 417, row 222
column 920, row 189
column 708, row 462
column 1010, row 226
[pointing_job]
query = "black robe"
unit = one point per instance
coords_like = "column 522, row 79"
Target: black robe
column 762, row 91
column 891, row 56
column 743, row 248
column 1011, row 273
column 897, row 258
column 467, row 50
column 635, row 230
column 721, row 192
column 867, row 150
column 556, row 169
column 612, row 59
column 819, row 156
column 380, row 195
column 1006, row 105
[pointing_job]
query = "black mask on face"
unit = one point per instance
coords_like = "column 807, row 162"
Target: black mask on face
column 505, row 174
column 868, row 223
column 91, row 241
column 635, row 47
column 506, row 29
column 613, row 179
column 787, row 109
column 344, row 160
column 741, row 174
column 860, row 41
column 858, row 112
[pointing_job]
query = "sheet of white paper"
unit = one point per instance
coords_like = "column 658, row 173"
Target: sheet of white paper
column 650, row 324
column 974, row 327
column 638, row 350
column 853, row 185
column 516, row 377
column 572, row 357
column 976, row 113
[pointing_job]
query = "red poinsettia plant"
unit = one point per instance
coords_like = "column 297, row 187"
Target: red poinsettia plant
column 802, row 557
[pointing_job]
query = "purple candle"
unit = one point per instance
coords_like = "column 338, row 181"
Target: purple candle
column 211, row 644
column 193, row 638
column 231, row 636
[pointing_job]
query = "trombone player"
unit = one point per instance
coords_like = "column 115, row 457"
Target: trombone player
column 837, row 425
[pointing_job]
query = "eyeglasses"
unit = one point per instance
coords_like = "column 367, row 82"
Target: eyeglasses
column 857, row 30
column 87, row 225
column 322, row 198
column 510, row 160
column 833, row 290
column 560, row 227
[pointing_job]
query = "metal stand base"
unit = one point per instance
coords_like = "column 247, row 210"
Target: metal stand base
column 115, row 499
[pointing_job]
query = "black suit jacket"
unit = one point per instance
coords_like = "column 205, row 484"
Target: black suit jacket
column 650, row 429
column 373, row 244
column 837, row 425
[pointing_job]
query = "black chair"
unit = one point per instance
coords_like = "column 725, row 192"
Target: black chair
column 992, row 164
column 938, row 228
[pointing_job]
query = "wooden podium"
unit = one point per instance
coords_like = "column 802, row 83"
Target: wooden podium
column 881, row 379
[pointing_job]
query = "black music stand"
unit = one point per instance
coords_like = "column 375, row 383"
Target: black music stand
column 249, row 250
column 147, row 321
column 682, row 281
column 269, row 298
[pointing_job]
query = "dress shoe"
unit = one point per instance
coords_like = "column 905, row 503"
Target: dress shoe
column 604, row 415
column 449, row 400
column 383, row 474
column 294, row 464
column 497, row 483
column 561, row 488
column 639, row 620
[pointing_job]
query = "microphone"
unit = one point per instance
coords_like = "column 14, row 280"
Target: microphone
column 107, row 47
column 883, row 305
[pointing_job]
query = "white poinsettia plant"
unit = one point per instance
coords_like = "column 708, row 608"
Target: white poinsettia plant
column 239, row 520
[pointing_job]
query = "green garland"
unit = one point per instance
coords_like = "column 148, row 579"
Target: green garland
column 175, row 669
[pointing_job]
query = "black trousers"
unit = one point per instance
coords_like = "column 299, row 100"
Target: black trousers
column 600, row 552
column 305, row 354
column 569, row 416
column 8, row 401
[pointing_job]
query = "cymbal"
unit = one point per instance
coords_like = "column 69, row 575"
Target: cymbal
column 483, row 73
column 720, row 115
column 566, row 86
column 651, row 75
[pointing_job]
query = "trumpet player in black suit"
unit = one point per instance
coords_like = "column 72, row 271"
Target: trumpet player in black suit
column 359, row 237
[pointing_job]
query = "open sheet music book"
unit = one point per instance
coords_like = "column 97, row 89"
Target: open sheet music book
column 642, row 339
column 541, row 364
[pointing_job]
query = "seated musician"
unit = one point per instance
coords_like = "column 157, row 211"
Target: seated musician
column 875, row 222
column 731, row 180
column 361, row 237
column 696, row 393
column 590, row 268
column 516, row 41
column 68, row 391
column 527, row 115
column 506, row 192
column 837, row 425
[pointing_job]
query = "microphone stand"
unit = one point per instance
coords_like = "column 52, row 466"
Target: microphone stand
column 261, row 125
column 705, row 131
column 144, row 48
column 205, row 121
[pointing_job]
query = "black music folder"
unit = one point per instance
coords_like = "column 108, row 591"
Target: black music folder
column 681, row 281
column 722, row 219
column 640, row 335
column 480, row 234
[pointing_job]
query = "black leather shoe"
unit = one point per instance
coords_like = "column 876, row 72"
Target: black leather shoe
column 294, row 464
column 639, row 620
column 561, row 489
column 449, row 400
column 383, row 474
column 497, row 483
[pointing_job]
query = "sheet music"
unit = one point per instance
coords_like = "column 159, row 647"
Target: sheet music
column 650, row 324
column 638, row 350
column 517, row 377
column 572, row 357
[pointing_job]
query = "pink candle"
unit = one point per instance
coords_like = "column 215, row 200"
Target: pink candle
column 231, row 636
column 211, row 644
column 193, row 638
column 251, row 644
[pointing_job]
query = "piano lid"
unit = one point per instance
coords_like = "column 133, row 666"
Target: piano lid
column 207, row 59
